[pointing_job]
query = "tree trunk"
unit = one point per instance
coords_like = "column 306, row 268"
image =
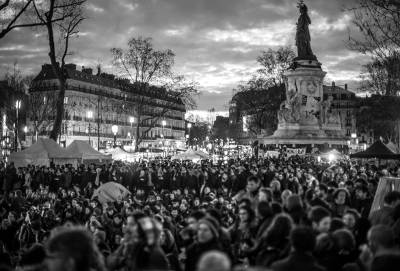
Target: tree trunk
column 138, row 137
column 55, row 132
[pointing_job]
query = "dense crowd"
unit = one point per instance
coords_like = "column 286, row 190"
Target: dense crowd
column 277, row 213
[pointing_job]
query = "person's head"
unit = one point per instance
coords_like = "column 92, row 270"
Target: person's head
column 344, row 241
column 302, row 239
column 253, row 184
column 149, row 229
column 320, row 218
column 336, row 224
column 193, row 219
column 70, row 249
column 264, row 194
column 322, row 191
column 341, row 196
column 278, row 230
column 350, row 218
column 264, row 210
column 392, row 198
column 246, row 214
column 380, row 237
column 207, row 230
column 361, row 192
column 214, row 261
column 284, row 196
column 294, row 202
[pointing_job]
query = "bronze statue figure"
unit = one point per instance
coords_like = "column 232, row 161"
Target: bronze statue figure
column 303, row 39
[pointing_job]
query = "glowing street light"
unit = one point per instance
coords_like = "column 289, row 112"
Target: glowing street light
column 131, row 120
column 89, row 116
column 17, row 108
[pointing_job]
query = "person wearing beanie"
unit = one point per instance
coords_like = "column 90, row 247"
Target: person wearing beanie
column 207, row 240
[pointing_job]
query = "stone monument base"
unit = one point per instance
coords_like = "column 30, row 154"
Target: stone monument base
column 302, row 141
column 296, row 134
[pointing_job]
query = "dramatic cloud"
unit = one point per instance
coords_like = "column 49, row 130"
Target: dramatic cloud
column 216, row 41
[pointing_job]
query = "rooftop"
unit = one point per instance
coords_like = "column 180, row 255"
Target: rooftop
column 105, row 79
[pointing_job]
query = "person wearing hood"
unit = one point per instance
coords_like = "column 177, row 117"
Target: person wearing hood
column 207, row 240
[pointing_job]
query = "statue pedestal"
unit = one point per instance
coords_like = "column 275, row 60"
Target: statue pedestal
column 304, row 117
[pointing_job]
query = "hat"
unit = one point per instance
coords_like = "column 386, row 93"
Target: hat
column 212, row 224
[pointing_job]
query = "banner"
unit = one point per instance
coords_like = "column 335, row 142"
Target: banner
column 295, row 151
column 386, row 184
column 273, row 154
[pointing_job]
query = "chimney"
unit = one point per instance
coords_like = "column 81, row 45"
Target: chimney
column 333, row 84
column 345, row 86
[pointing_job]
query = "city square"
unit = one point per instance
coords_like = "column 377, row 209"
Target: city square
column 199, row 135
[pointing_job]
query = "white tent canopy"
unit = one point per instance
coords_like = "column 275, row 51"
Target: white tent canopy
column 391, row 146
column 43, row 152
column 190, row 155
column 332, row 154
column 120, row 154
column 85, row 152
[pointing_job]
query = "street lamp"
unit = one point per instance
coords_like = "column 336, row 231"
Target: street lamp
column 114, row 129
column 89, row 116
column 189, row 125
column 163, row 123
column 17, row 107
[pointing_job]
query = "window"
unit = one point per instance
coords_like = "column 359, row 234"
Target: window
column 348, row 113
column 348, row 132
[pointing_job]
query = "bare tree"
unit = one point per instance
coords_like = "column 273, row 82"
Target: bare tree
column 18, row 14
column 41, row 110
column 274, row 63
column 72, row 13
column 259, row 98
column 145, row 67
column 379, row 24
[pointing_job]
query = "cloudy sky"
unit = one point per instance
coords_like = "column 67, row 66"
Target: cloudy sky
column 216, row 42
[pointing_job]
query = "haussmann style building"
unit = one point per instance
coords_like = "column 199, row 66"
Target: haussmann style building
column 102, row 109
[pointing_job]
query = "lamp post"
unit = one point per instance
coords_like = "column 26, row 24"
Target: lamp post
column 89, row 116
column 114, row 129
column 17, row 108
column 131, row 121
column 189, row 125
column 25, row 132
column 163, row 123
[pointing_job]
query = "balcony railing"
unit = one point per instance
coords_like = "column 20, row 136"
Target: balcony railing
column 111, row 95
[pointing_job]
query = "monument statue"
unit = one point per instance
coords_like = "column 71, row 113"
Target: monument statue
column 304, row 116
column 303, row 39
column 290, row 108
column 324, row 110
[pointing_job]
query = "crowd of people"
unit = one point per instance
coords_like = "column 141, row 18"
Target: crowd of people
column 274, row 214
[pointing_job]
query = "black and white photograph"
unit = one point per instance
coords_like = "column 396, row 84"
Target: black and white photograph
column 199, row 135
